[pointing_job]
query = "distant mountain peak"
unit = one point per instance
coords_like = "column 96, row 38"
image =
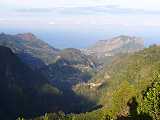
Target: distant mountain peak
column 27, row 36
column 30, row 49
column 116, row 45
column 125, row 36
column 2, row 33
column 124, row 39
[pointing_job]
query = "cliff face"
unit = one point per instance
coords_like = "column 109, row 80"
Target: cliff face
column 120, row 44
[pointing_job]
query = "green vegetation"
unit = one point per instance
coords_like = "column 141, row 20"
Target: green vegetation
column 151, row 101
column 127, row 89
column 121, row 97
column 49, row 89
column 133, row 76
column 132, row 92
column 96, row 115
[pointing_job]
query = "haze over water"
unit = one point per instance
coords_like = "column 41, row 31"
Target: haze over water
column 80, row 24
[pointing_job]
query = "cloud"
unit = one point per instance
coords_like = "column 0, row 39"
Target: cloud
column 134, row 4
column 51, row 23
column 151, row 24
column 82, row 12
column 35, row 10
column 2, row 19
column 86, row 10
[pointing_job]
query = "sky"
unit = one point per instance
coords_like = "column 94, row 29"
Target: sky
column 80, row 23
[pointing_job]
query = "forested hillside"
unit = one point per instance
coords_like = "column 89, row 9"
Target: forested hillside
column 131, row 90
column 130, row 86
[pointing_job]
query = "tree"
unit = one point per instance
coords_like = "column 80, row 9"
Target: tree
column 151, row 101
column 121, row 97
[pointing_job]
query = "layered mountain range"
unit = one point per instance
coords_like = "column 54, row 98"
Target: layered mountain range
column 68, row 79
column 68, row 66
column 46, row 59
column 26, row 92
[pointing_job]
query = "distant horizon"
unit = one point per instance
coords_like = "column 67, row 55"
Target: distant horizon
column 77, row 39
column 80, row 24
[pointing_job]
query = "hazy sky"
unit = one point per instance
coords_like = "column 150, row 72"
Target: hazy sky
column 82, row 15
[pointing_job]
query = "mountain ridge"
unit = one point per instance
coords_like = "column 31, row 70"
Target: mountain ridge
column 29, row 45
column 104, row 47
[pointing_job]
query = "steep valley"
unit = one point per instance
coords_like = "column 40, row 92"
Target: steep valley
column 96, row 83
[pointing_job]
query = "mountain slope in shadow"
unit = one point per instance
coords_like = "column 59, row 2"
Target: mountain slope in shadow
column 27, row 93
